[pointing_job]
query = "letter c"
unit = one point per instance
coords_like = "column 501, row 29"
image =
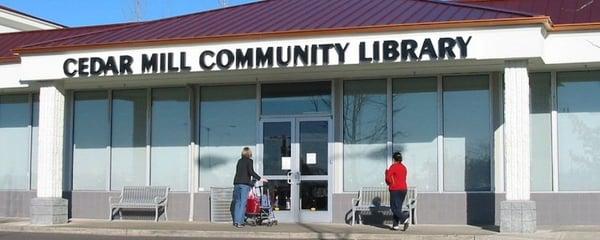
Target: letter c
column 203, row 60
column 66, row 67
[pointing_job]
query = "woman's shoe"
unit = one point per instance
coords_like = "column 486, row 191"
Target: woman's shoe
column 405, row 225
column 395, row 227
column 238, row 225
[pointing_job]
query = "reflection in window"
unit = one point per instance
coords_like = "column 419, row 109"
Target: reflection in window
column 35, row 117
column 541, row 137
column 14, row 139
column 579, row 131
column 415, row 129
column 90, row 141
column 466, row 133
column 296, row 98
column 365, row 133
column 313, row 144
column 277, row 143
column 227, row 124
column 170, row 138
column 128, row 152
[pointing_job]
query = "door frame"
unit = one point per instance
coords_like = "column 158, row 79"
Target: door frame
column 297, row 214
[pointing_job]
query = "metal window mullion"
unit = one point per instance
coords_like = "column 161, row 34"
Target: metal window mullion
column 389, row 121
column 440, row 137
column 554, row 130
column 191, row 137
column 148, row 134
column 109, row 147
column 71, row 97
column 491, row 151
column 501, row 125
column 259, row 137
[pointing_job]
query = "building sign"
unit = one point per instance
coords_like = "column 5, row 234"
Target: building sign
column 407, row 50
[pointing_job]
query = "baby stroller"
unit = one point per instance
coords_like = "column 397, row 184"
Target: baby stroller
column 258, row 207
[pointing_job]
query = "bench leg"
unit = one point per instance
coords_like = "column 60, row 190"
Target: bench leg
column 166, row 216
column 353, row 214
column 120, row 214
column 110, row 215
column 359, row 218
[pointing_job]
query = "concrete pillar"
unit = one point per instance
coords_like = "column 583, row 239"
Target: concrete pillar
column 49, row 207
column 518, row 212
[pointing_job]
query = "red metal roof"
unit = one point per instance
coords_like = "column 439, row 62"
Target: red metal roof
column 9, row 41
column 559, row 11
column 288, row 16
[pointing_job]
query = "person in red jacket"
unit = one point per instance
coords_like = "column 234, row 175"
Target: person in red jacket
column 395, row 177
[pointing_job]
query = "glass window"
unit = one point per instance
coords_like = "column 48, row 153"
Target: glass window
column 365, row 133
column 579, row 131
column 466, row 133
column 14, row 139
column 90, row 141
column 541, row 135
column 34, row 139
column 170, row 138
column 128, row 151
column 415, row 124
column 227, row 124
column 296, row 98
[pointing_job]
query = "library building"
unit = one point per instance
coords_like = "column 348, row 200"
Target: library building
column 494, row 105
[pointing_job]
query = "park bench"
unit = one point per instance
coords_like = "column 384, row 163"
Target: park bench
column 140, row 197
column 374, row 198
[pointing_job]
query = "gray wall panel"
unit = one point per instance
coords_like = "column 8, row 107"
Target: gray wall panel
column 94, row 205
column 567, row 208
column 202, row 207
column 15, row 203
column 342, row 205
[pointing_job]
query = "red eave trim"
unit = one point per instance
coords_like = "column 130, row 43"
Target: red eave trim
column 13, row 59
column 295, row 33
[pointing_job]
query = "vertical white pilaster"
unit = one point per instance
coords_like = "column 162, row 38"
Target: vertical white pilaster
column 49, row 207
column 516, row 131
column 50, row 150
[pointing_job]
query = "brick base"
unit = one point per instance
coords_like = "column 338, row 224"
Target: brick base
column 49, row 211
column 518, row 217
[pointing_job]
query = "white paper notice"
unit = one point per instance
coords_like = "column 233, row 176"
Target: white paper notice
column 311, row 158
column 286, row 163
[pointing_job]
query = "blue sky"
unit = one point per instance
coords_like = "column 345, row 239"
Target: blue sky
column 93, row 12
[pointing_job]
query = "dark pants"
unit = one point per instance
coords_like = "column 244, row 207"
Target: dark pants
column 396, row 200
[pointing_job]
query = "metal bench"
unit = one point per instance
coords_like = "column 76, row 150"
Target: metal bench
column 135, row 197
column 375, row 197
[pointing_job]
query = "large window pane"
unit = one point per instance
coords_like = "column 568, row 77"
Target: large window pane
column 365, row 133
column 227, row 124
column 14, row 139
column 579, row 131
column 541, row 137
column 415, row 129
column 128, row 151
column 170, row 138
column 466, row 133
column 296, row 98
column 34, row 139
column 90, row 141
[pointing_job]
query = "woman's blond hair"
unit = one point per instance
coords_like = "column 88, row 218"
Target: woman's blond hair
column 246, row 152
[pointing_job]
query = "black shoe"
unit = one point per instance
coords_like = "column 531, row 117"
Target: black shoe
column 395, row 227
column 238, row 225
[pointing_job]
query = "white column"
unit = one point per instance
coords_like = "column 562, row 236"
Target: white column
column 518, row 212
column 516, row 131
column 49, row 207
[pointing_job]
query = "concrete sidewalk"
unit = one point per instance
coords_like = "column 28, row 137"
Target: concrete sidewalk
column 290, row 231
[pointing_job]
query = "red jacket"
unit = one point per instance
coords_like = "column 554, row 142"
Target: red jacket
column 395, row 177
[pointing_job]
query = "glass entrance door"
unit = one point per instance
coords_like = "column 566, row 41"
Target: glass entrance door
column 296, row 160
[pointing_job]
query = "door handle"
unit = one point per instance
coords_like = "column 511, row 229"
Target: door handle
column 289, row 177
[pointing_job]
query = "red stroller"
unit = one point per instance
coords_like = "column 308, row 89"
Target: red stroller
column 258, row 208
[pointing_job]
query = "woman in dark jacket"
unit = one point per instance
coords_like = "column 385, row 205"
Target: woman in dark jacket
column 242, row 183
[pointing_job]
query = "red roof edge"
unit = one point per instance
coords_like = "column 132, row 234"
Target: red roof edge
column 463, row 4
column 31, row 16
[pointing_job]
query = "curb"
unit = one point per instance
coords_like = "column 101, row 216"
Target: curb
column 236, row 234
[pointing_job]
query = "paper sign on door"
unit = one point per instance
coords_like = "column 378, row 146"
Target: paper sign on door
column 311, row 158
column 286, row 163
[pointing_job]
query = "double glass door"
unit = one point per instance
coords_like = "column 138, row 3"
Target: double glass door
column 296, row 158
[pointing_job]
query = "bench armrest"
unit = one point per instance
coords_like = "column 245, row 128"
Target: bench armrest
column 355, row 202
column 114, row 199
column 159, row 200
